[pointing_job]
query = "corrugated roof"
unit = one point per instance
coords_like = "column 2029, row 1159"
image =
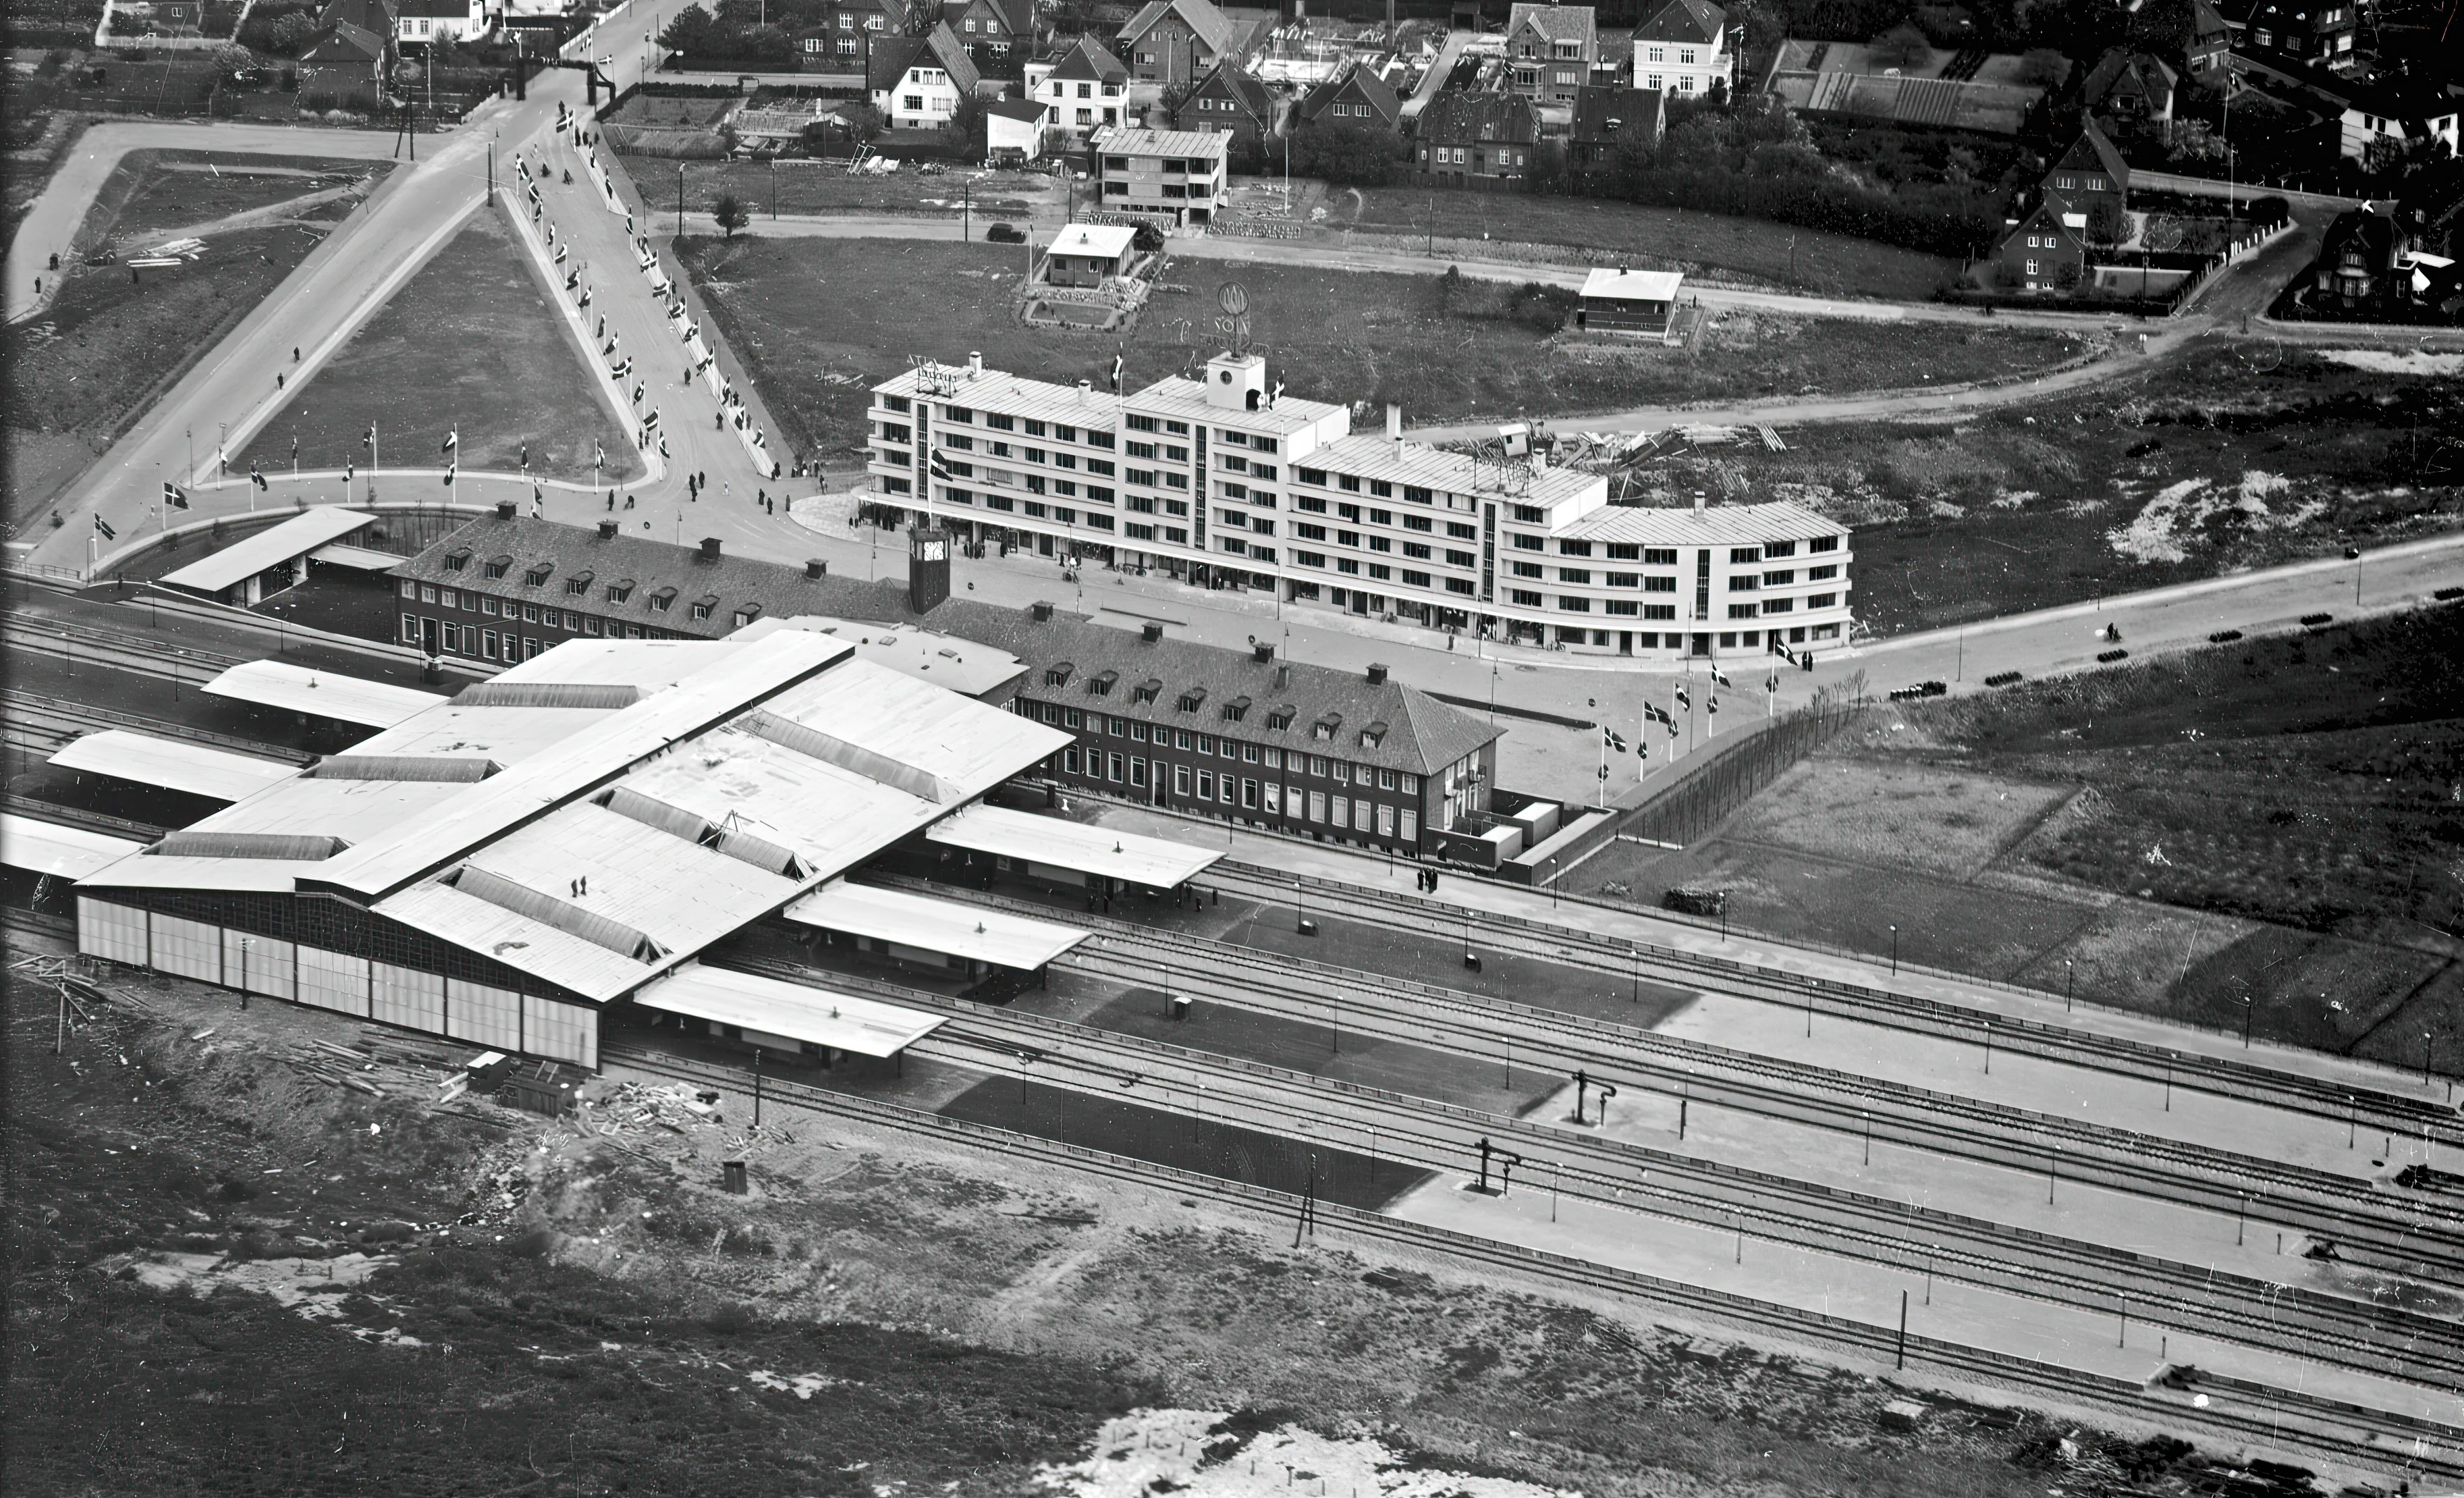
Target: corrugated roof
column 172, row 764
column 996, row 391
column 793, row 1011
column 1632, row 285
column 1717, row 525
column 322, row 694
column 64, row 852
column 268, row 548
column 973, row 933
column 1152, row 862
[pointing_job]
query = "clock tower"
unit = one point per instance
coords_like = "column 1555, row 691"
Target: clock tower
column 927, row 567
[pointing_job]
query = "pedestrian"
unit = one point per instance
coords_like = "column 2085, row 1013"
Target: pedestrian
column 294, row 353
column 132, row 280
column 278, row 379
column 38, row 285
column 611, row 501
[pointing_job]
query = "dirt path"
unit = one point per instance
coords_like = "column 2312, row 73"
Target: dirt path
column 284, row 211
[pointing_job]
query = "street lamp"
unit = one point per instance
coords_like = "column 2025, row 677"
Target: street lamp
column 1894, row 950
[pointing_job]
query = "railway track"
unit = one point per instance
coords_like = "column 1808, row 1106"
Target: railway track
column 2244, row 1081
column 2288, row 1421
column 40, row 725
column 2346, row 1210
column 1626, row 1176
column 90, row 645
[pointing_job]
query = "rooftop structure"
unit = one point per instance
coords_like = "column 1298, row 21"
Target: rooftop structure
column 320, row 693
column 500, row 866
column 241, row 572
column 36, row 846
column 1054, row 847
column 789, row 1015
column 968, row 933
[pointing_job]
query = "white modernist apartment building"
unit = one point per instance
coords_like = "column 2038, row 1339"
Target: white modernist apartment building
column 1221, row 481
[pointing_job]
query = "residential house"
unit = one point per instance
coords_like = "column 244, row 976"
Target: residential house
column 1090, row 254
column 2044, row 246
column 2364, row 263
column 1085, row 91
column 1476, row 139
column 1550, row 49
column 419, row 22
column 1358, row 96
column 1608, row 120
column 2379, row 120
column 2192, row 36
column 2092, row 174
column 842, row 40
column 2301, row 33
column 1640, row 303
column 1175, row 41
column 999, row 33
column 2131, row 92
column 1230, row 101
column 1175, row 177
column 1015, row 130
column 918, row 81
column 343, row 68
column 1682, row 50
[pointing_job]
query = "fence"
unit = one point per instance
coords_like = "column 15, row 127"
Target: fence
column 2231, row 256
column 1727, row 775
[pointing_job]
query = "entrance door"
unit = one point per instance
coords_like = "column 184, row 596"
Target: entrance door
column 1625, row 641
column 1702, row 645
column 1044, row 547
column 428, row 636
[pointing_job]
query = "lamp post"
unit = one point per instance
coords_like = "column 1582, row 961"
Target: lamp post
column 1894, row 950
column 680, row 200
column 2069, row 980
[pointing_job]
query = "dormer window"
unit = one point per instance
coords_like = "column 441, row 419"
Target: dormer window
column 1236, row 709
column 1325, row 727
column 702, row 606
column 535, row 577
column 496, row 567
column 618, row 593
column 1059, row 673
column 1147, row 690
column 663, row 600
column 1193, row 699
column 578, row 585
column 454, row 561
column 1373, row 736
column 1102, row 682
column 1282, row 717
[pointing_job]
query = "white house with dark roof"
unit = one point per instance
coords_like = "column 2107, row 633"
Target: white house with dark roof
column 918, row 81
column 1683, row 49
column 1084, row 90
column 419, row 22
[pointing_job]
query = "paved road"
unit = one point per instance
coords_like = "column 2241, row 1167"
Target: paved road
column 51, row 225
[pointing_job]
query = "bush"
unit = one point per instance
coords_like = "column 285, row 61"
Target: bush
column 532, row 1244
column 1349, row 155
column 730, row 1318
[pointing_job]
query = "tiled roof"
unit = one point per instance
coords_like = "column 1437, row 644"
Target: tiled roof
column 1227, row 78
column 344, row 44
column 1575, row 23
column 2093, row 150
column 1461, row 117
column 1087, row 60
column 1364, row 82
column 1422, row 735
column 1685, row 21
column 2151, row 76
column 1630, row 109
column 1025, row 110
column 1210, row 25
column 893, row 57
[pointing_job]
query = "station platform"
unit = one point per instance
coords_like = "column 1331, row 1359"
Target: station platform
column 322, row 694
column 768, row 1011
column 1540, row 908
column 1071, row 852
column 170, row 764
column 917, row 925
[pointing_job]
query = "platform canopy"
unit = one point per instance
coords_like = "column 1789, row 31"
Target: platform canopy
column 172, row 764
column 342, row 554
column 300, row 536
column 790, row 1011
column 1154, row 862
column 322, row 694
column 46, row 848
column 915, row 921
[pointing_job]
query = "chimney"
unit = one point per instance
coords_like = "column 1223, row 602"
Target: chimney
column 974, row 364
column 1698, row 502
column 1149, row 632
column 815, row 568
column 1394, row 422
column 504, row 509
column 1539, row 460
column 1283, row 676
column 1376, row 674
column 1261, row 651
column 606, row 530
column 1084, row 388
column 710, row 548
column 1043, row 611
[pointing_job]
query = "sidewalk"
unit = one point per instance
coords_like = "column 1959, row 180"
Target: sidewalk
column 1538, row 908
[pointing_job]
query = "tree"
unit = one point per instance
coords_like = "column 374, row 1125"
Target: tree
column 967, row 129
column 766, row 47
column 694, row 32
column 2107, row 224
column 732, row 214
column 1348, row 155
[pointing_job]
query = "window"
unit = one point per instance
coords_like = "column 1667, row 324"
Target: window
column 1743, row 610
column 1574, row 574
column 1818, row 543
column 1822, row 601
column 1527, row 543
column 1823, row 573
column 1659, row 555
column 1525, row 600
column 1659, row 611
column 1528, row 570
column 1574, row 606
column 1744, row 583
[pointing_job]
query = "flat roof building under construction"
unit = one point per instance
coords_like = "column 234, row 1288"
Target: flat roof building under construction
column 502, row 866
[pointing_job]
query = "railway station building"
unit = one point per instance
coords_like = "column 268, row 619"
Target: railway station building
column 1221, row 480
column 507, row 865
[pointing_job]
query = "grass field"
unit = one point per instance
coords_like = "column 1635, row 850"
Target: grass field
column 114, row 337
column 809, row 187
column 470, row 340
column 2271, row 821
column 2201, row 466
column 822, row 320
column 1649, row 238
